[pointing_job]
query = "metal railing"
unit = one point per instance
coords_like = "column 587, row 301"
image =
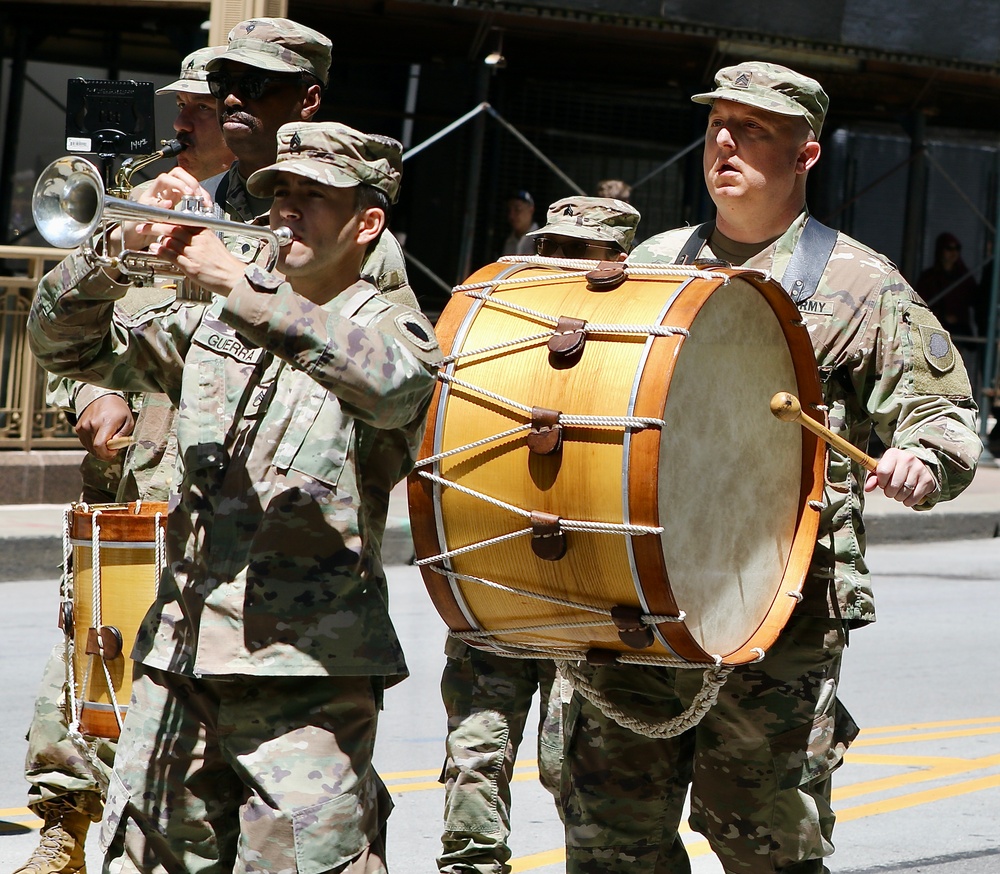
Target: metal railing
column 25, row 421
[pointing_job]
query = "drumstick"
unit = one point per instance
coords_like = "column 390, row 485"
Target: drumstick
column 116, row 443
column 786, row 407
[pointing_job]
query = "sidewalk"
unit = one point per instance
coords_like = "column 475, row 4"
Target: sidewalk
column 31, row 534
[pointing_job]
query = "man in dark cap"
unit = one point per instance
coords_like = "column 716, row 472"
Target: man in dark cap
column 759, row 763
column 521, row 218
column 301, row 399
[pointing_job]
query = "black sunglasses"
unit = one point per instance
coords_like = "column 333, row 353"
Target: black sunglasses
column 253, row 86
column 549, row 247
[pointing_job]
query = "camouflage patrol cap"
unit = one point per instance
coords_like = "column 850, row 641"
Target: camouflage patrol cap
column 333, row 154
column 771, row 87
column 278, row 44
column 193, row 72
column 592, row 218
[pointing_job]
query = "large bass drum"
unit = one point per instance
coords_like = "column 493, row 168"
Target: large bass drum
column 602, row 477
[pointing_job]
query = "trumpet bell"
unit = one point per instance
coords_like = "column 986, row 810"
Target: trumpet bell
column 67, row 202
column 69, row 205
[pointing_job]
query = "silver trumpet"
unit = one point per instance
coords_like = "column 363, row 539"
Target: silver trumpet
column 69, row 206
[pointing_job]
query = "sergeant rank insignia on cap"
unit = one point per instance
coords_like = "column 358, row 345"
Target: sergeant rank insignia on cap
column 742, row 81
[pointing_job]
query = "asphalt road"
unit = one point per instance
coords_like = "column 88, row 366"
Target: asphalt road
column 920, row 790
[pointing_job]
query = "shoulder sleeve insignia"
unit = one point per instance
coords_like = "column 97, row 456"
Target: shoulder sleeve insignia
column 938, row 351
column 417, row 330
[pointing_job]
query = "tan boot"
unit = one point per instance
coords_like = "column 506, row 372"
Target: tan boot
column 61, row 842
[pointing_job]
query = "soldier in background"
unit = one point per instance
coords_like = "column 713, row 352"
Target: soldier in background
column 759, row 764
column 488, row 697
column 63, row 788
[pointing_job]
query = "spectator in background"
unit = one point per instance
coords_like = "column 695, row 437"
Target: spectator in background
column 949, row 288
column 521, row 218
column 616, row 188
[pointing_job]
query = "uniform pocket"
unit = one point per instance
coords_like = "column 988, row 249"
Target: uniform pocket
column 331, row 834
column 317, row 440
column 476, row 750
column 114, row 811
column 809, row 752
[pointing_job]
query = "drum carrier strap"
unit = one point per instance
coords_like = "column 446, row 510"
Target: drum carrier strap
column 805, row 268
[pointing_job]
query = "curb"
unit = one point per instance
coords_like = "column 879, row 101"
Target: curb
column 900, row 528
column 30, row 558
column 40, row 557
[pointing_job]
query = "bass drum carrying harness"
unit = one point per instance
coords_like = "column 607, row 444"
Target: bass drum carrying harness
column 805, row 268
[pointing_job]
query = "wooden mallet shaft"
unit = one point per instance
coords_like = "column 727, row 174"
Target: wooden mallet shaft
column 786, row 406
column 116, row 443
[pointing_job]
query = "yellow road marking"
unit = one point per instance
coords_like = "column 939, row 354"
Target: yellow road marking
column 409, row 775
column 538, row 860
column 922, row 725
column 413, row 787
column 700, row 847
column 899, row 761
column 953, row 790
column 931, row 768
column 925, row 775
column 915, row 738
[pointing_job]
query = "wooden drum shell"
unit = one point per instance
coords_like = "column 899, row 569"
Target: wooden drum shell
column 128, row 576
column 626, row 476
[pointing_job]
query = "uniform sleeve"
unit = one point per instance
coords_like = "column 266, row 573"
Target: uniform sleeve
column 661, row 248
column 385, row 265
column 916, row 388
column 74, row 331
column 384, row 371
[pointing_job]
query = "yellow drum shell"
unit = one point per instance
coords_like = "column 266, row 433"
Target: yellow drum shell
column 127, row 578
column 734, row 490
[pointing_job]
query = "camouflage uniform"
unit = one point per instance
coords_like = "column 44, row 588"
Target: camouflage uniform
column 64, row 789
column 145, row 469
column 294, row 423
column 54, row 767
column 100, row 478
column 759, row 763
column 487, row 696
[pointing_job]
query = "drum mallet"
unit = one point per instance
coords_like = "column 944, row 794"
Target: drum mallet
column 116, row 443
column 786, row 407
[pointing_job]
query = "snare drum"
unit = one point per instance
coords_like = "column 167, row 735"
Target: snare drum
column 115, row 577
column 602, row 477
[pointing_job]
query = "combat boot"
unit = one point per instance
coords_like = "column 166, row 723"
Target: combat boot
column 60, row 847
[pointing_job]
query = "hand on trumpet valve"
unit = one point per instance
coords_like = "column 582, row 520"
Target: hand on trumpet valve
column 200, row 255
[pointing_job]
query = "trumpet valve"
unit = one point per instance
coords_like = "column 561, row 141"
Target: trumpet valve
column 191, row 203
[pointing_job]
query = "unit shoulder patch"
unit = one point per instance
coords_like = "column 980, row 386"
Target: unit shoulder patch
column 937, row 347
